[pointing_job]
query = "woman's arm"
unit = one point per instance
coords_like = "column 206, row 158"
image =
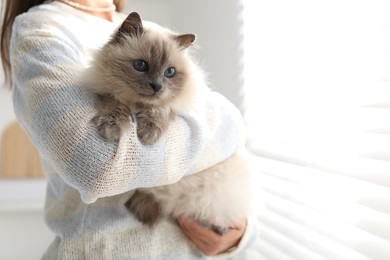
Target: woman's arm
column 56, row 112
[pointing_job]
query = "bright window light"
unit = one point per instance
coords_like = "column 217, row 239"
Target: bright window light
column 317, row 107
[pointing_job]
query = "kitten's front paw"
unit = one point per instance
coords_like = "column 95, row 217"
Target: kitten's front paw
column 110, row 127
column 147, row 131
column 144, row 207
column 149, row 135
column 220, row 230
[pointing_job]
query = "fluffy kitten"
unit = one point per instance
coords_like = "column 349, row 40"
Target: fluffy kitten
column 145, row 72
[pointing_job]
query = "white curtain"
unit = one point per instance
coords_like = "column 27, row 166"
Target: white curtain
column 317, row 106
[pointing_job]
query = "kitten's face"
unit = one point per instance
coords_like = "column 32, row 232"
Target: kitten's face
column 147, row 66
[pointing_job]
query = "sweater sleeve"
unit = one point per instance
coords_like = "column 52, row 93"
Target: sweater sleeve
column 56, row 113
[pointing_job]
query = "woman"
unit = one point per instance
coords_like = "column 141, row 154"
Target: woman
column 44, row 46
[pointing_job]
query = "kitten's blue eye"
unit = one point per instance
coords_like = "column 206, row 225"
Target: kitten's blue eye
column 170, row 72
column 140, row 65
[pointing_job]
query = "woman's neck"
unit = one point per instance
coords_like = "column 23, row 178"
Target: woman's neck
column 100, row 8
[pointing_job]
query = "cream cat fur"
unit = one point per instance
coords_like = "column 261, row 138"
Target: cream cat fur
column 145, row 72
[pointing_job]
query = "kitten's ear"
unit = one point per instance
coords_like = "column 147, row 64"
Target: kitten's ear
column 132, row 24
column 185, row 40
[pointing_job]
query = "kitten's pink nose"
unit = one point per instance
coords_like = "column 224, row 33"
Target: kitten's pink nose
column 156, row 87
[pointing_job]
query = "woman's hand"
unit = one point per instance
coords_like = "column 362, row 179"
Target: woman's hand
column 207, row 241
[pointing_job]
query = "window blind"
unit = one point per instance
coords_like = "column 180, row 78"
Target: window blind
column 317, row 108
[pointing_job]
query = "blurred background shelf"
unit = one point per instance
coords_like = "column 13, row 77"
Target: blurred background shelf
column 22, row 195
column 24, row 234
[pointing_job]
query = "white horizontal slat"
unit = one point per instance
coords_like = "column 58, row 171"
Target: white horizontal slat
column 359, row 170
column 377, row 146
column 331, row 231
column 374, row 145
column 363, row 155
column 373, row 117
column 271, row 252
column 352, row 212
column 287, row 245
column 377, row 202
column 318, row 245
column 319, row 200
column 260, row 257
column 366, row 176
column 364, row 169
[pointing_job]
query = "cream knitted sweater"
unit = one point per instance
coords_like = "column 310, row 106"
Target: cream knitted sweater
column 90, row 179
